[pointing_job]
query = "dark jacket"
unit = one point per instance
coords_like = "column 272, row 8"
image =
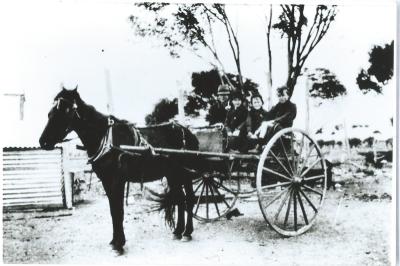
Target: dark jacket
column 254, row 119
column 236, row 118
column 282, row 113
column 217, row 113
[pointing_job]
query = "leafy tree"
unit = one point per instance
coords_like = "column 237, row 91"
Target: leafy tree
column 354, row 142
column 366, row 84
column 302, row 38
column 321, row 143
column 205, row 86
column 325, row 85
column 191, row 27
column 369, row 141
column 381, row 60
column 163, row 111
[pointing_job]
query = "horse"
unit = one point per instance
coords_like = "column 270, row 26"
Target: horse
column 101, row 136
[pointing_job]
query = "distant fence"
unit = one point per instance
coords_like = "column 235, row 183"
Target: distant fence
column 34, row 178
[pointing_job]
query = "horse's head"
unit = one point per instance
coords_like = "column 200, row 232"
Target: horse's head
column 61, row 117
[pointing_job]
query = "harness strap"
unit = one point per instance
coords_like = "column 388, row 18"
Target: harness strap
column 106, row 145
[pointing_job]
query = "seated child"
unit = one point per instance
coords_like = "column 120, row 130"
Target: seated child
column 280, row 116
column 236, row 120
column 255, row 117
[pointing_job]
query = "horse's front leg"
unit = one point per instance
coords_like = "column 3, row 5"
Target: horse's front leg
column 114, row 188
column 189, row 200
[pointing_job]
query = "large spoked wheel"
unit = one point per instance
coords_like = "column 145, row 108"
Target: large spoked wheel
column 291, row 182
column 215, row 196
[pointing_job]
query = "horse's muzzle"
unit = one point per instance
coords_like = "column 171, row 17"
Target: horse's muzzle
column 45, row 144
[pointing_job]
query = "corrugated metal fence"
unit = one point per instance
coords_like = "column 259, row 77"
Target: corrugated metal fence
column 33, row 177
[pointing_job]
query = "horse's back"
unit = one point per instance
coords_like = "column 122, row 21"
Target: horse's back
column 170, row 135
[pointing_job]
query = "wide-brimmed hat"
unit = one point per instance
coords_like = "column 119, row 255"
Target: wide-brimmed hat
column 224, row 89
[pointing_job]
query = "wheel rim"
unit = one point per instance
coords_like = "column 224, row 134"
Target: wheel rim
column 291, row 182
column 215, row 196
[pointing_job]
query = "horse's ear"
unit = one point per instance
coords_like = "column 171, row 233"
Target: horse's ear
column 62, row 86
column 76, row 89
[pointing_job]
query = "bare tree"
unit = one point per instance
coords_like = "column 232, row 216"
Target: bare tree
column 302, row 38
column 190, row 26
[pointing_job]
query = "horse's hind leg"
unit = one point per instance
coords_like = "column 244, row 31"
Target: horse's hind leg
column 189, row 203
column 114, row 188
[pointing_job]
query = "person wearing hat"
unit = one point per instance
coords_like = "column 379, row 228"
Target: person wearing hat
column 219, row 109
column 235, row 122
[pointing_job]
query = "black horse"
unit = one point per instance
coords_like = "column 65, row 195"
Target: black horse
column 101, row 136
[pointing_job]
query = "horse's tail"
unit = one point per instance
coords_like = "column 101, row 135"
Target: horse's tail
column 163, row 202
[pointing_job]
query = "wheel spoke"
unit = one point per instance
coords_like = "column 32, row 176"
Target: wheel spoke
column 302, row 208
column 306, row 160
column 227, row 189
column 284, row 151
column 313, row 190
column 215, row 202
column 276, row 197
column 295, row 211
column 276, row 173
column 282, row 204
column 309, row 168
column 219, row 193
column 311, row 178
column 299, row 157
column 197, row 180
column 292, row 152
column 276, row 185
column 309, row 201
column 288, row 209
column 280, row 163
column 198, row 200
column 198, row 186
column 206, row 200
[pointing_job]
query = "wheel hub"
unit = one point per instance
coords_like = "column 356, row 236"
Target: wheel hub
column 297, row 179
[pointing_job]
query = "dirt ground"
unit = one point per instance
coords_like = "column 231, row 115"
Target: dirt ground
column 354, row 228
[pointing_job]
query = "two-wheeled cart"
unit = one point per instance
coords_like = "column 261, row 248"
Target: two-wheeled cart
column 289, row 178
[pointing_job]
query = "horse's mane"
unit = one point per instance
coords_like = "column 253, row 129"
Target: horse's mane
column 90, row 112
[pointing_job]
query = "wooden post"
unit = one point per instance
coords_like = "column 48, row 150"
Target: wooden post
column 110, row 106
column 181, row 105
column 346, row 139
column 22, row 100
column 269, row 91
column 307, row 103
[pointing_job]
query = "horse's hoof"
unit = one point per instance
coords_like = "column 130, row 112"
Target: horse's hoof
column 118, row 250
column 176, row 237
column 186, row 238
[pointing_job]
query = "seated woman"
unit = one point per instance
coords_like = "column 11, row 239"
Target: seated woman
column 235, row 122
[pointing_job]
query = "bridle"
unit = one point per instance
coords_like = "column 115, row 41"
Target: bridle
column 70, row 112
column 73, row 109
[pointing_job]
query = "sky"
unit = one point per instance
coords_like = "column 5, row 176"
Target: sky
column 48, row 43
